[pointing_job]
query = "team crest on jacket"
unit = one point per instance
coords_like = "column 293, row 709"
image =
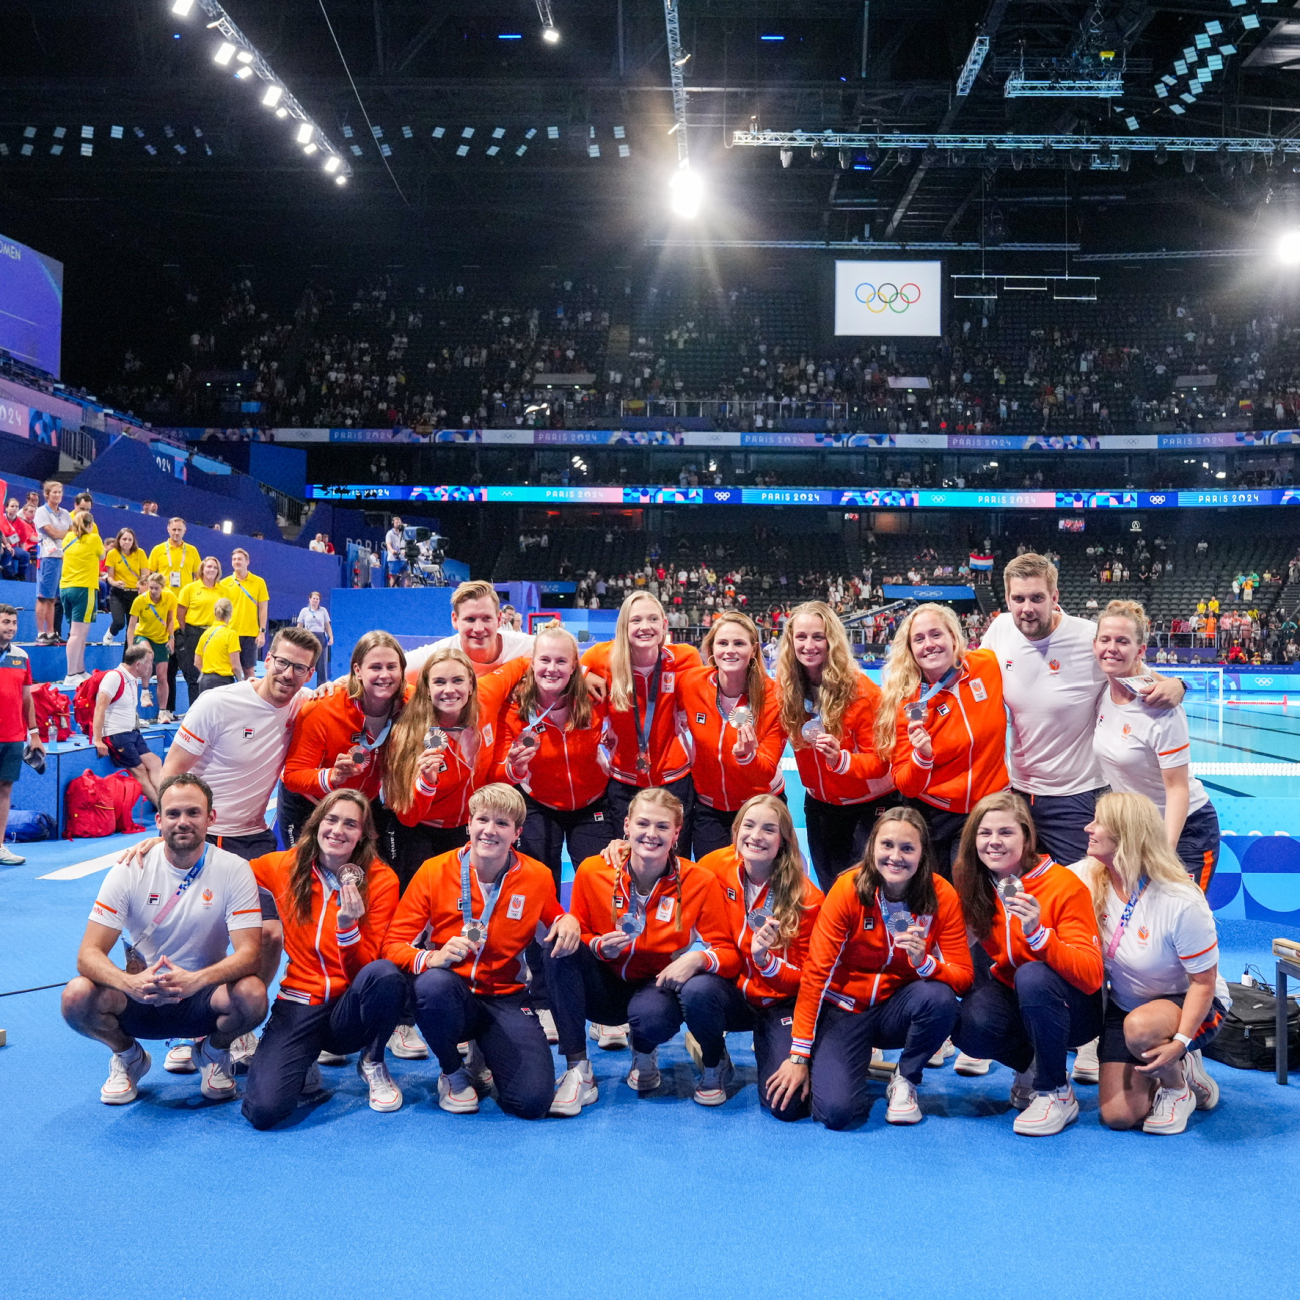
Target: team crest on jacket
column 1128, row 731
column 977, row 689
column 1054, row 665
column 207, row 898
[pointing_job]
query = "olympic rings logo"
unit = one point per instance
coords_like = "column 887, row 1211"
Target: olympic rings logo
column 889, row 296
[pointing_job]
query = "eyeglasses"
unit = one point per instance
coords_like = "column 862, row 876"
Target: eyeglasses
column 280, row 664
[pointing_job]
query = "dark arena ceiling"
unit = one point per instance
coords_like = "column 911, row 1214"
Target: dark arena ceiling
column 201, row 163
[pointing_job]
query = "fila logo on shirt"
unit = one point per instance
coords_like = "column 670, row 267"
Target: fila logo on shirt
column 248, row 733
column 516, row 909
column 701, row 719
column 943, row 710
column 868, row 922
column 153, row 900
column 1006, row 663
column 731, row 893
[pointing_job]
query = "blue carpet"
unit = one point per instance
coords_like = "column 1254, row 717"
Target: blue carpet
column 645, row 1197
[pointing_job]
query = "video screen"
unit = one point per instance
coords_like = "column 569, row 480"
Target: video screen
column 1071, row 524
column 31, row 306
column 888, row 299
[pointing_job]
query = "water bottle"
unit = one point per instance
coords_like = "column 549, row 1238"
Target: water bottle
column 53, row 730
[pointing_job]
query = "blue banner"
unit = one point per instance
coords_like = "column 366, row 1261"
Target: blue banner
column 894, row 592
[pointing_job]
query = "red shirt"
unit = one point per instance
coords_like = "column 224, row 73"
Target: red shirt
column 15, row 675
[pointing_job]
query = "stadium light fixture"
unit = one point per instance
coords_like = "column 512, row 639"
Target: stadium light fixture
column 687, row 192
column 225, row 52
column 1288, row 248
column 181, row 8
column 273, row 95
column 550, row 32
column 332, row 164
column 305, row 133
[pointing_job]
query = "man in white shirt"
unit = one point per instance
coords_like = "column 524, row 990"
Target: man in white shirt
column 181, row 908
column 395, row 552
column 115, row 729
column 476, row 616
column 52, row 524
column 1051, row 684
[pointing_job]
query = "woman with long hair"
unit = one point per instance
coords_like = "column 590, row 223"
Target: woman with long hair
column 126, row 565
column 641, row 669
column 1035, row 921
column 1165, row 997
column 941, row 723
column 1147, row 750
column 887, row 959
column 79, row 589
column 335, row 899
column 771, row 907
column 639, row 917
column 340, row 738
column 829, row 709
column 196, row 607
column 730, row 718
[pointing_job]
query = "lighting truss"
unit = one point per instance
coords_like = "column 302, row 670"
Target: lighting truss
column 677, row 72
column 976, row 143
column 1063, row 288
column 1019, row 86
column 284, row 104
column 971, row 68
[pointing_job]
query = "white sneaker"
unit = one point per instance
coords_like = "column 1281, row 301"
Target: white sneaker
column 242, row 1051
column 644, row 1074
column 407, row 1045
column 108, row 639
column 1204, row 1089
column 547, row 1022
column 331, row 1058
column 124, row 1072
column 216, row 1080
column 971, row 1067
column 1170, row 1111
column 612, row 1038
column 146, row 699
column 8, row 858
column 1048, row 1113
column 311, row 1083
column 385, row 1095
column 477, row 1068
column 1087, row 1068
column 166, row 715
column 903, row 1107
column 574, row 1089
column 1022, row 1089
column 456, row 1093
column 180, row 1057
column 712, row 1087
column 942, row 1055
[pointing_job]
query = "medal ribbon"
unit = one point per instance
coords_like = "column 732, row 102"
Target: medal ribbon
column 466, row 904
column 651, row 701
column 1113, row 946
column 941, row 685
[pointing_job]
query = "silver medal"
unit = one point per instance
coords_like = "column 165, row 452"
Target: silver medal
column 436, row 739
column 915, row 712
column 474, row 931
column 1009, row 887
column 351, row 875
column 643, row 762
column 900, row 922
column 631, row 923
column 741, row 716
column 812, row 729
column 758, row 918
column 528, row 740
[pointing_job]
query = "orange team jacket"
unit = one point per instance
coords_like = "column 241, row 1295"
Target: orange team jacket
column 853, row 962
column 861, row 774
column 720, row 781
column 682, row 907
column 669, row 760
column 1066, row 938
column 445, row 801
column 968, row 736
column 526, row 899
column 566, row 770
column 324, row 960
column 325, row 728
column 780, row 977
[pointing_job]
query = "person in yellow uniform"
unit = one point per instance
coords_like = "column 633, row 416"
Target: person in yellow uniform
column 153, row 619
column 127, row 567
column 250, row 598
column 218, row 651
column 79, row 589
column 178, row 562
column 194, row 614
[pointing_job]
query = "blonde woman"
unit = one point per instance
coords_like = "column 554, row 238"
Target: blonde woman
column 771, row 907
column 79, row 589
column 941, row 724
column 829, row 710
column 1146, row 750
column 1166, row 997
column 730, row 717
column 195, row 613
column 641, row 670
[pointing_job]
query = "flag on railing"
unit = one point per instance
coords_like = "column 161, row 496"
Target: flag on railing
column 980, row 561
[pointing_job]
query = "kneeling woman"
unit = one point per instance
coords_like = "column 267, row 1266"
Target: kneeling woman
column 335, row 899
column 639, row 918
column 887, row 958
column 1166, row 996
column 771, row 908
column 481, row 906
column 1034, row 919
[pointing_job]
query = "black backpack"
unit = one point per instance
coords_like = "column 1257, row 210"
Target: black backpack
column 1246, row 1040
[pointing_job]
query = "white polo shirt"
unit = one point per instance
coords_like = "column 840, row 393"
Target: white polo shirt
column 121, row 713
column 196, row 932
column 513, row 644
column 1135, row 742
column 1051, row 688
column 241, row 741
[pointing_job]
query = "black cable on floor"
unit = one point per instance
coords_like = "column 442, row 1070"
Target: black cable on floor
column 37, row 989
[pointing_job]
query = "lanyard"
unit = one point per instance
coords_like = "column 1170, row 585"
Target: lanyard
column 1113, row 946
column 941, row 685
column 242, row 588
column 126, row 564
column 166, row 909
column 726, row 717
column 371, row 745
column 536, row 720
column 651, row 700
column 172, row 568
column 466, row 905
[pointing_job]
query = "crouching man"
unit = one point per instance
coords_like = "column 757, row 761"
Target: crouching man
column 178, row 913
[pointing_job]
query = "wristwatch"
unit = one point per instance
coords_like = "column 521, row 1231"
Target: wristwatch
column 797, row 1060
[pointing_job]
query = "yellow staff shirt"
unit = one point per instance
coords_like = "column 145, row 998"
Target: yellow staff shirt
column 177, row 564
column 152, row 618
column 245, row 595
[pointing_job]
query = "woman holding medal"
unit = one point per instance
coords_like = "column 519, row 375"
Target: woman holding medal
column 642, row 669
column 942, row 723
column 481, row 906
column 887, row 958
column 730, row 719
column 1035, row 921
column 338, row 995
column 771, row 907
column 339, row 737
column 1166, row 998
column 829, row 710
column 639, row 917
